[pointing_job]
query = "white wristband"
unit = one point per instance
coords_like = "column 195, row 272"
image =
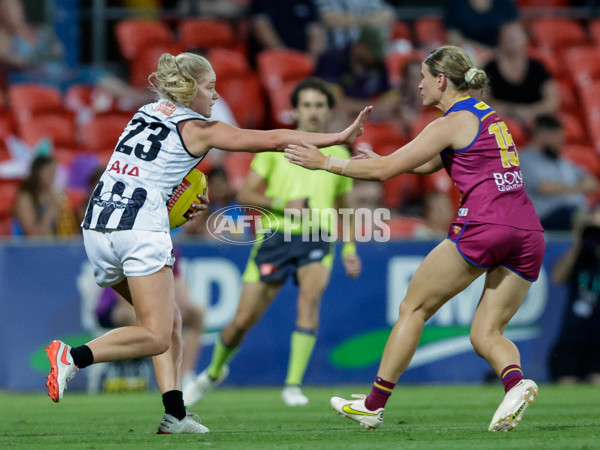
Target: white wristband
column 336, row 165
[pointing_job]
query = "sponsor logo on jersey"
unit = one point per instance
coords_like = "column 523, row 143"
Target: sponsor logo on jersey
column 166, row 108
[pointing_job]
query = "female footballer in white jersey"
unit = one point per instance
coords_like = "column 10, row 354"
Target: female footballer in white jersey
column 126, row 225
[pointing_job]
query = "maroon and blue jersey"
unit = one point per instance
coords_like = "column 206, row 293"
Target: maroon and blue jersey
column 487, row 173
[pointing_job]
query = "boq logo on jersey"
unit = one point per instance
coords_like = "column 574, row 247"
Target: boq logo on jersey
column 508, row 181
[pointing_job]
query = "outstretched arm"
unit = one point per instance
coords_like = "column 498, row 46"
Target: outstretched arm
column 200, row 136
column 415, row 155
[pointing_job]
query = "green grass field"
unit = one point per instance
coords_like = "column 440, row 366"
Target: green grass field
column 428, row 417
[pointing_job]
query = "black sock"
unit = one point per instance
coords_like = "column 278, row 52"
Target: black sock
column 82, row 356
column 173, row 401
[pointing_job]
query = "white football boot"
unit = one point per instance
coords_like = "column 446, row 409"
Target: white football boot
column 62, row 369
column 356, row 410
column 189, row 424
column 510, row 412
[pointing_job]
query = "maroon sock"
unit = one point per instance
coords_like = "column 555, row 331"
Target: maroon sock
column 380, row 394
column 510, row 376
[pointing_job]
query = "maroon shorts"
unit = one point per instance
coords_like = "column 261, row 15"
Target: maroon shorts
column 489, row 245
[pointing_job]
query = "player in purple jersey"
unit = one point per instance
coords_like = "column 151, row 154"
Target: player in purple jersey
column 496, row 232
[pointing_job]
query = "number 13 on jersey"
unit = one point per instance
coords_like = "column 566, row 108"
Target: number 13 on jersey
column 508, row 151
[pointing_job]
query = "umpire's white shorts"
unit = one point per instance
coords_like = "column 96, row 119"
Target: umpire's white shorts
column 116, row 255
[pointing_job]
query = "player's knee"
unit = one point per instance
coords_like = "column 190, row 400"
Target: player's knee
column 478, row 341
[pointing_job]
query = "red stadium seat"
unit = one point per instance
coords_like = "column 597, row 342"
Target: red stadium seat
column 135, row 35
column 60, row 128
column 240, row 87
column 594, row 29
column 146, row 62
column 568, row 97
column 28, row 99
column 228, row 64
column 517, row 131
column 400, row 30
column 583, row 64
column 276, row 67
column 383, row 137
column 401, row 191
column 237, row 165
column 430, row 31
column 395, row 63
column 5, row 226
column 8, row 191
column 583, row 156
column 590, row 96
column 203, row 34
column 574, row 129
column 103, row 131
column 282, row 112
column 7, row 124
column 246, row 98
column 557, row 34
column 548, row 59
column 425, row 118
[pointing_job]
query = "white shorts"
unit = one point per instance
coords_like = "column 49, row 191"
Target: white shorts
column 116, row 255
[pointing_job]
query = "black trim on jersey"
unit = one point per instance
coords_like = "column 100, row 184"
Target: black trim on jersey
column 181, row 137
column 88, row 212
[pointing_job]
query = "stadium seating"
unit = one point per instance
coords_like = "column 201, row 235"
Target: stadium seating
column 383, row 137
column 203, row 34
column 146, row 61
column 425, row 118
column 103, row 131
column 429, row 31
column 558, row 34
column 583, row 65
column 237, row 165
column 400, row 30
column 60, row 128
column 279, row 66
column 240, row 87
column 135, row 35
column 575, row 132
column 395, row 63
column 401, row 191
column 584, row 156
column 28, row 99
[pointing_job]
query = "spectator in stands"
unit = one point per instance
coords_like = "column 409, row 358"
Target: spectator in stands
column 41, row 209
column 409, row 103
column 475, row 25
column 557, row 187
column 520, row 87
column 290, row 24
column 113, row 311
column 358, row 76
column 345, row 19
column 575, row 355
column 34, row 54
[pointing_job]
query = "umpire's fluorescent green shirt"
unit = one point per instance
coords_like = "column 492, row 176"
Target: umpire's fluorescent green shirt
column 287, row 181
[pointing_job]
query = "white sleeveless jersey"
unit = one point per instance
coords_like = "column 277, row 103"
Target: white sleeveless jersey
column 149, row 161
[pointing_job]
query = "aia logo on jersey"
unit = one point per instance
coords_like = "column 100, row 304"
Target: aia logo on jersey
column 166, row 108
column 125, row 170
